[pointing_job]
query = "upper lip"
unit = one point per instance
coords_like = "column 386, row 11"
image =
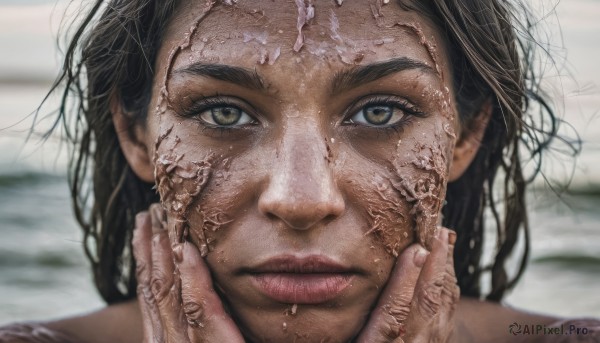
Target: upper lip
column 299, row 265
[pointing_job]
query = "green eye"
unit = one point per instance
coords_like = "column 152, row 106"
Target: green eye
column 378, row 115
column 225, row 116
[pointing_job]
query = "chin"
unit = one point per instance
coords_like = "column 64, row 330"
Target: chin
column 303, row 323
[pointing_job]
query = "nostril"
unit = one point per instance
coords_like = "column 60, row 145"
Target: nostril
column 301, row 215
column 271, row 216
column 329, row 218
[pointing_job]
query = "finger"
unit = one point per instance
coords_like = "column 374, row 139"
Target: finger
column 162, row 282
column 387, row 320
column 142, row 236
column 428, row 291
column 158, row 216
column 201, row 304
column 141, row 249
column 450, row 291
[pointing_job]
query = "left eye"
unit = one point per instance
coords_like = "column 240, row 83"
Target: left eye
column 225, row 116
column 378, row 115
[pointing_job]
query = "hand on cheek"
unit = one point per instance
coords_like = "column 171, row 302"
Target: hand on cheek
column 175, row 293
column 419, row 300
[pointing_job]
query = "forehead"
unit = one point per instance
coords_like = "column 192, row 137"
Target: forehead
column 253, row 33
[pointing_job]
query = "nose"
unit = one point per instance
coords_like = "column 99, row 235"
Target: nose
column 301, row 190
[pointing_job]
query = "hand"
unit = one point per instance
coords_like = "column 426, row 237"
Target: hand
column 419, row 301
column 176, row 296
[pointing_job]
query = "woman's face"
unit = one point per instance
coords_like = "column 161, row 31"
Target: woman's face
column 301, row 164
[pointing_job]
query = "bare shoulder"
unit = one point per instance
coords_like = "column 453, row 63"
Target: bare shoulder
column 484, row 321
column 115, row 323
column 31, row 332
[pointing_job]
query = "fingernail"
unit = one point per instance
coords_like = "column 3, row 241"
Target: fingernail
column 157, row 224
column 420, row 257
column 451, row 237
column 178, row 253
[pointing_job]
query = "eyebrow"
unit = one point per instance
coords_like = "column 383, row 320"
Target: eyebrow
column 247, row 78
column 352, row 78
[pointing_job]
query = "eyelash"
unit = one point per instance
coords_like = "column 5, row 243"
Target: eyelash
column 207, row 103
column 405, row 106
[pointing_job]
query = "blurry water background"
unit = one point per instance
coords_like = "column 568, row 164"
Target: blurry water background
column 44, row 274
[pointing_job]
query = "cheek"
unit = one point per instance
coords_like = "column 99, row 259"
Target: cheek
column 420, row 179
column 387, row 214
column 219, row 205
column 402, row 193
column 183, row 177
column 421, row 166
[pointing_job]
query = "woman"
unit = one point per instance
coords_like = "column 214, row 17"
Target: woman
column 288, row 167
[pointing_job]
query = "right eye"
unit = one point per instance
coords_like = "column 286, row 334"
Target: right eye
column 228, row 116
column 378, row 115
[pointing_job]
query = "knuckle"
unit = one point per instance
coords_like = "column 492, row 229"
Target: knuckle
column 144, row 293
column 395, row 314
column 430, row 299
column 399, row 307
column 400, row 313
column 159, row 285
column 194, row 312
column 451, row 291
column 391, row 328
column 141, row 268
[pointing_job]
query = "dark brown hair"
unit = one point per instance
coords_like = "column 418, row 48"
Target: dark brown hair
column 111, row 55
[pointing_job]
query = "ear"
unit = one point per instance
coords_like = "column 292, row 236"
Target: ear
column 132, row 138
column 469, row 141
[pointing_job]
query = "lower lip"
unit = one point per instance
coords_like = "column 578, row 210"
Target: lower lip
column 297, row 288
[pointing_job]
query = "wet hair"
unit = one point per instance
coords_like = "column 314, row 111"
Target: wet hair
column 111, row 54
